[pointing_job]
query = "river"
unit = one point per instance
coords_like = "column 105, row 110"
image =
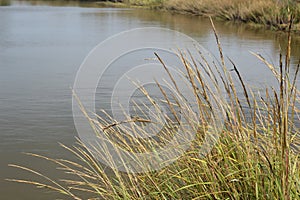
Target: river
column 42, row 45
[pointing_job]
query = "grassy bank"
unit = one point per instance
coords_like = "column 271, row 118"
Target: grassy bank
column 274, row 14
column 254, row 158
column 5, row 2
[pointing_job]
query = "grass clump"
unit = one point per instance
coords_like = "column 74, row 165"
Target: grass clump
column 255, row 157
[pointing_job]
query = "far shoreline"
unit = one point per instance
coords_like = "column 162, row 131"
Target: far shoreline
column 268, row 14
column 258, row 14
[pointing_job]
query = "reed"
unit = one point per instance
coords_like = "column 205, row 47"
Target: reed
column 256, row 158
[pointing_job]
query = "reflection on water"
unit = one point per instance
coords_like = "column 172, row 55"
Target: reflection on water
column 42, row 47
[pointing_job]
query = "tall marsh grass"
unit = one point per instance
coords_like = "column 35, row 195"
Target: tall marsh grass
column 254, row 158
column 271, row 13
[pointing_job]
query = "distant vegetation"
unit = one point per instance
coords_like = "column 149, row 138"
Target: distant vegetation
column 274, row 14
column 4, row 2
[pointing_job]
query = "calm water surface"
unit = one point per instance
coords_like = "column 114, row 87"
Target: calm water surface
column 41, row 49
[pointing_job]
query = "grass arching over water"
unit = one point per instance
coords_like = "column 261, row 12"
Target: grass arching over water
column 253, row 159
